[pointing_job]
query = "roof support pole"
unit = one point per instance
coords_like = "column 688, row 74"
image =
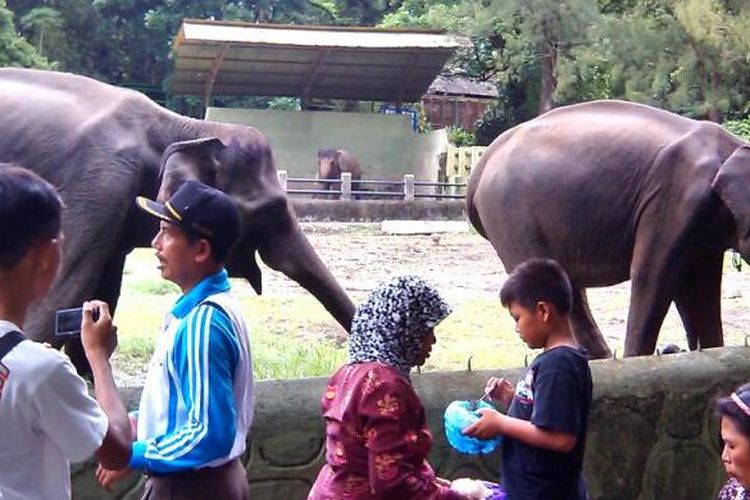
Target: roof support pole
column 314, row 70
column 406, row 80
column 208, row 95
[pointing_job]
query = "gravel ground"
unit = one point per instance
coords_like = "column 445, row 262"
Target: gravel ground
column 465, row 265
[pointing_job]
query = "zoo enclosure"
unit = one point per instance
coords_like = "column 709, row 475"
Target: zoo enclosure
column 405, row 189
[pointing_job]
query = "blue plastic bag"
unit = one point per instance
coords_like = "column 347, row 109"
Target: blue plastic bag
column 458, row 416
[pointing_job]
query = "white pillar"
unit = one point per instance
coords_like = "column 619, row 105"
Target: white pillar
column 409, row 187
column 283, row 176
column 346, row 186
column 455, row 179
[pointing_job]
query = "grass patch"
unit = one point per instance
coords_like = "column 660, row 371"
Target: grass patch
column 293, row 336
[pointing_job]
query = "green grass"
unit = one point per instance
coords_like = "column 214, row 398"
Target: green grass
column 293, row 336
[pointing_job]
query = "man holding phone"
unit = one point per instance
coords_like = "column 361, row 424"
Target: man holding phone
column 48, row 418
column 197, row 402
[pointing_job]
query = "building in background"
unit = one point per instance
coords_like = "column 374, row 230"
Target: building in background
column 453, row 101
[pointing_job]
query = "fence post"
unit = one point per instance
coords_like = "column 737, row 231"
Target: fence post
column 346, row 186
column 409, row 187
column 283, row 176
column 455, row 179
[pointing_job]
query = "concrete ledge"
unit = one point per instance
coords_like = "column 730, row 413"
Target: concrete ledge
column 378, row 210
column 652, row 432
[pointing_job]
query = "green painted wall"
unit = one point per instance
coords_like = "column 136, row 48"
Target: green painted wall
column 385, row 145
column 652, row 432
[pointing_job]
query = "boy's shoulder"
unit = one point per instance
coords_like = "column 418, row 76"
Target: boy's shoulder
column 562, row 358
column 34, row 362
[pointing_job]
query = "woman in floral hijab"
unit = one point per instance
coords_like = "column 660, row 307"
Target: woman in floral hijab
column 377, row 439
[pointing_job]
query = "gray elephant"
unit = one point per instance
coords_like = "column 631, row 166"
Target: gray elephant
column 331, row 163
column 102, row 146
column 614, row 191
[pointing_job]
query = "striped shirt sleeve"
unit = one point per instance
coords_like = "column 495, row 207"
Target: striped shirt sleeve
column 206, row 352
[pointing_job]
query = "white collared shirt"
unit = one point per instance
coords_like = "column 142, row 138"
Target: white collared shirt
column 48, row 420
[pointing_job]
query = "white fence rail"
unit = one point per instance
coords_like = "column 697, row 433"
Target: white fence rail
column 344, row 188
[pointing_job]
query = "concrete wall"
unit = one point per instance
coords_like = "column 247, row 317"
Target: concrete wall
column 385, row 145
column 652, row 433
column 378, row 210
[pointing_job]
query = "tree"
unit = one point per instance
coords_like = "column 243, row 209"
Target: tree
column 40, row 21
column 14, row 49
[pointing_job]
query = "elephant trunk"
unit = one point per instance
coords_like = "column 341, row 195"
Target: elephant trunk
column 291, row 253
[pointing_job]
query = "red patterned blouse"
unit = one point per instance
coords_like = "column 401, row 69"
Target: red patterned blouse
column 376, row 438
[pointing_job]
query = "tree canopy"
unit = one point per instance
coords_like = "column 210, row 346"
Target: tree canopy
column 687, row 56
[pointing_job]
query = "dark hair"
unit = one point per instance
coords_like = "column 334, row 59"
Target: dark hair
column 30, row 211
column 726, row 407
column 219, row 249
column 538, row 280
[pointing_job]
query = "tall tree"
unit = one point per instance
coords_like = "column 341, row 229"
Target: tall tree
column 41, row 22
column 14, row 49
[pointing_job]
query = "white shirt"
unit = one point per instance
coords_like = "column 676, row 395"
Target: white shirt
column 47, row 420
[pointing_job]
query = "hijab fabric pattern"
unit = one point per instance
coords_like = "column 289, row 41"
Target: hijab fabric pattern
column 390, row 325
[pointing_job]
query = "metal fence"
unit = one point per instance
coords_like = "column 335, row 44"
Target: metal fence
column 346, row 189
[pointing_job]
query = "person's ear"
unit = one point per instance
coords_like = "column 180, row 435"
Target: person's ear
column 202, row 251
column 45, row 254
column 544, row 310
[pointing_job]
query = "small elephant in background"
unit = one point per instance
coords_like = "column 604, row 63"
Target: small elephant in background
column 331, row 163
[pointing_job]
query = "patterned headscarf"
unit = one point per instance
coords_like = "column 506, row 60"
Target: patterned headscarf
column 391, row 324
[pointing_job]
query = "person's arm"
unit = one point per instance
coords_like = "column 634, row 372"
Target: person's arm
column 204, row 356
column 397, row 444
column 557, row 415
column 493, row 424
column 99, row 340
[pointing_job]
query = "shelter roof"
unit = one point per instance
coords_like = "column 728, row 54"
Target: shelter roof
column 230, row 58
column 459, row 86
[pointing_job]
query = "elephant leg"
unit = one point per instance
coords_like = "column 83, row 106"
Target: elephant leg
column 108, row 290
column 652, row 289
column 584, row 327
column 698, row 300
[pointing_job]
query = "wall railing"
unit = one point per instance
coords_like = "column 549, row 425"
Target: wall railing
column 345, row 188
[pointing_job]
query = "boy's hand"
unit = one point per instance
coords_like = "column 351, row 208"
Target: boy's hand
column 489, row 425
column 500, row 389
column 99, row 338
column 107, row 478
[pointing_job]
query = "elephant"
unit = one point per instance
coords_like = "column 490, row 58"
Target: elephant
column 331, row 163
column 613, row 191
column 102, row 146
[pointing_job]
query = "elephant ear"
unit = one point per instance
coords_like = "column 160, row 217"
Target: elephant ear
column 732, row 184
column 204, row 168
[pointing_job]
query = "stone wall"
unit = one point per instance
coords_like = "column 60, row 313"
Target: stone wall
column 652, row 433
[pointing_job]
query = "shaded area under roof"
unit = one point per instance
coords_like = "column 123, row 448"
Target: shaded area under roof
column 368, row 64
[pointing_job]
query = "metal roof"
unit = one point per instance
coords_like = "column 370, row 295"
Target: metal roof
column 459, row 86
column 229, row 58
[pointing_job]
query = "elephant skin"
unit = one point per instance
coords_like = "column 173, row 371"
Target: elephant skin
column 331, row 163
column 102, row 146
column 615, row 191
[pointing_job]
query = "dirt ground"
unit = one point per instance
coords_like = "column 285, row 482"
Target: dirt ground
column 465, row 266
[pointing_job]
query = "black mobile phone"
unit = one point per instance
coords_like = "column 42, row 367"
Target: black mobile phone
column 68, row 321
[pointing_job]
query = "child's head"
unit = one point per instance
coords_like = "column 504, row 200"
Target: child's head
column 538, row 295
column 30, row 222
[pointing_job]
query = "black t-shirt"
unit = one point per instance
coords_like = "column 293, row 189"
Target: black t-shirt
column 554, row 395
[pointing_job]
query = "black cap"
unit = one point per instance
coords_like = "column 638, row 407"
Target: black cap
column 204, row 210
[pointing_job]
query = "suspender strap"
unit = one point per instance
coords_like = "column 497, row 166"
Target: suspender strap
column 9, row 341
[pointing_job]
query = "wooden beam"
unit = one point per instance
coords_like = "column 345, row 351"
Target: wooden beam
column 208, row 95
column 314, row 70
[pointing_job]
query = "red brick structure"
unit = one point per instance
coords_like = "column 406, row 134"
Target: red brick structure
column 457, row 102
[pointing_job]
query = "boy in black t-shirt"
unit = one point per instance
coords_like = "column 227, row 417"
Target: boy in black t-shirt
column 544, row 432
